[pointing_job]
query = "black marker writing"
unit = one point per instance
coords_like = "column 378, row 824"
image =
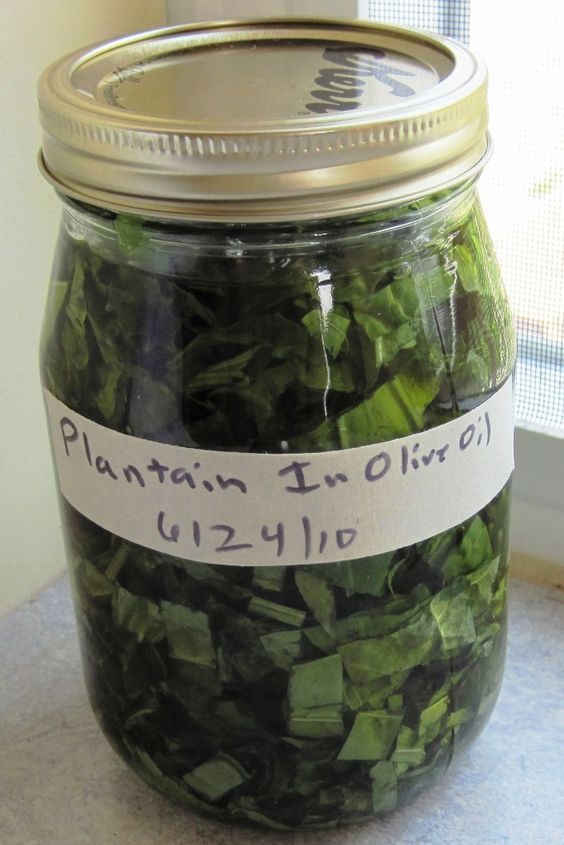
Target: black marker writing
column 333, row 480
column 196, row 533
column 141, row 474
column 415, row 460
column 227, row 545
column 87, row 447
column 132, row 472
column 278, row 536
column 307, row 537
column 377, row 467
column 488, row 428
column 173, row 535
column 160, row 469
column 225, row 483
column 346, row 537
column 297, row 468
column 104, row 467
column 69, row 432
column 180, row 475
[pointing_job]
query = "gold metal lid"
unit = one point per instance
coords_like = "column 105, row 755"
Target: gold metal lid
column 263, row 120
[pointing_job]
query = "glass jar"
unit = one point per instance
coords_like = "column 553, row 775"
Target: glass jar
column 282, row 431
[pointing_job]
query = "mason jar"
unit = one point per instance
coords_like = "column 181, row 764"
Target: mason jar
column 277, row 362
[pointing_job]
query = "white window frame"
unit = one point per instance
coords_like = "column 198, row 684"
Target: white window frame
column 538, row 496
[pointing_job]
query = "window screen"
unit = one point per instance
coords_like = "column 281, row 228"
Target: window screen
column 522, row 188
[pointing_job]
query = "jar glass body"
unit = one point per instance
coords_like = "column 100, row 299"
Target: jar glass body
column 272, row 338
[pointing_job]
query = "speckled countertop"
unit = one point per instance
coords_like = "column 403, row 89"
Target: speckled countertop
column 61, row 784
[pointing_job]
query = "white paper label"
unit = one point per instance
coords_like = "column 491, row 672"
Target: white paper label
column 283, row 509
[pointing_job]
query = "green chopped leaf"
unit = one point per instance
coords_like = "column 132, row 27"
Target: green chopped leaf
column 136, row 614
column 483, row 579
column 269, row 577
column 373, row 326
column 376, row 622
column 323, row 721
column 93, row 581
column 319, row 598
column 76, row 308
column 366, row 660
column 366, row 575
column 223, row 373
column 216, row 777
column 396, row 409
column 395, row 702
column 106, row 397
column 453, row 613
column 245, row 808
column 474, row 550
column 356, row 802
column 373, row 694
column 384, row 787
column 320, row 639
column 331, row 327
column 315, row 698
column 117, row 561
column 73, row 330
column 409, row 750
column 278, row 612
column 188, row 634
column 129, row 229
column 459, row 717
column 465, row 268
column 284, row 647
column 408, row 757
column 316, row 683
column 372, row 737
column 431, row 719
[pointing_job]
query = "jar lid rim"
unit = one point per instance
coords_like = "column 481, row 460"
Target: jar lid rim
column 268, row 119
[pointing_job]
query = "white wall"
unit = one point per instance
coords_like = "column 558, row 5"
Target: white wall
column 32, row 34
column 184, row 11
